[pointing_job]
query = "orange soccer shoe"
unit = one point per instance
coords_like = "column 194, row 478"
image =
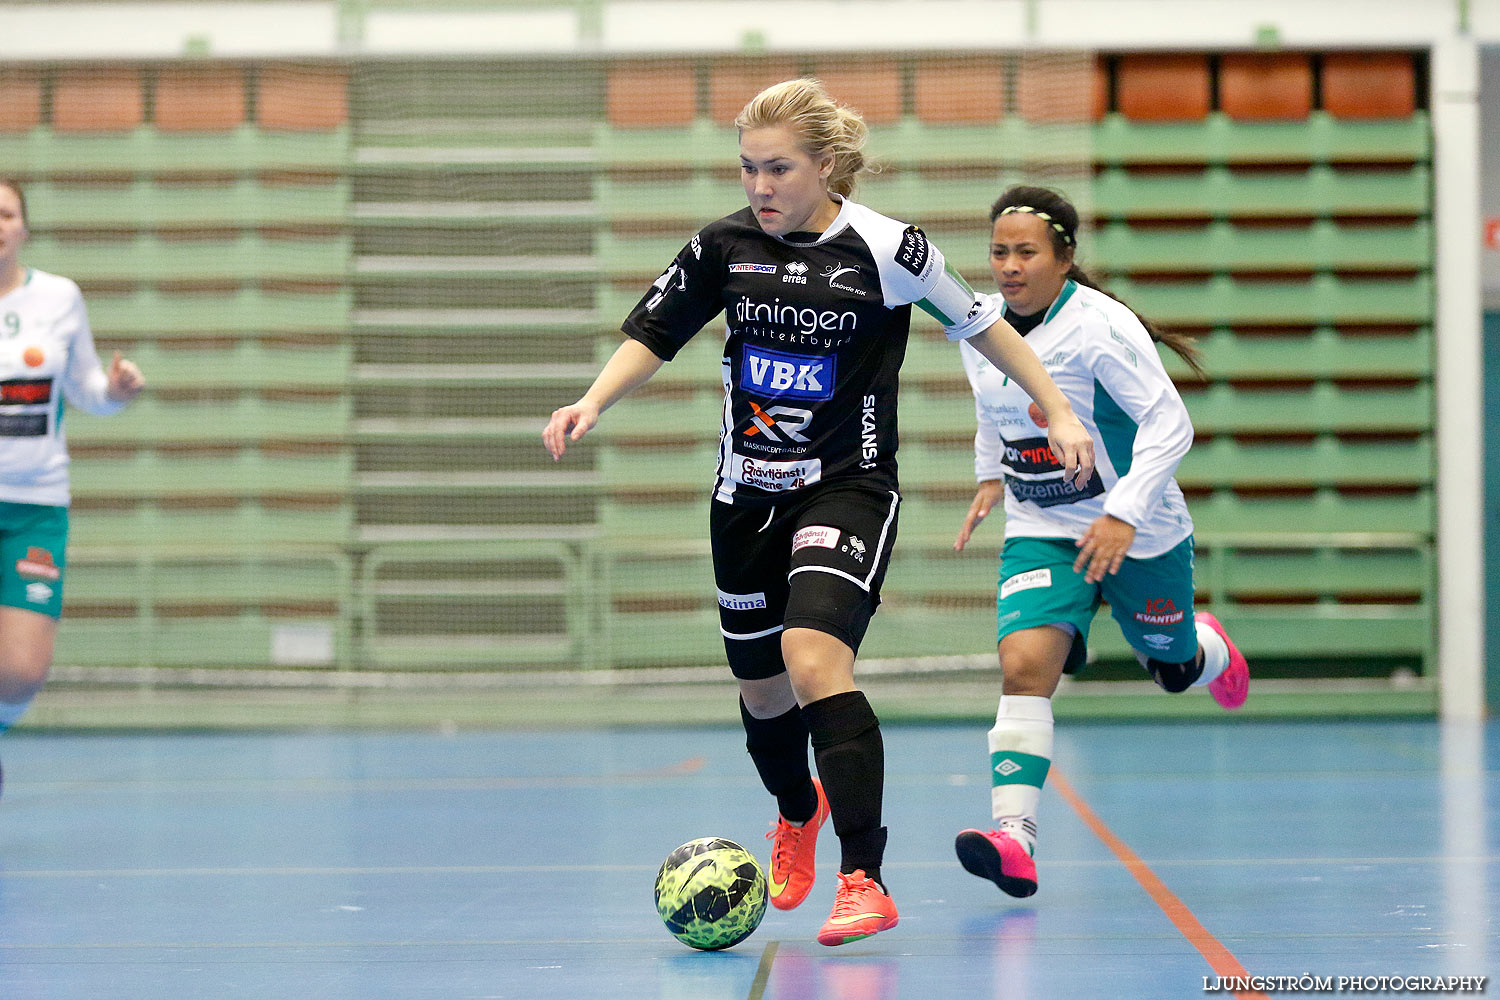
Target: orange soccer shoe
column 793, row 852
column 1232, row 687
column 998, row 857
column 860, row 908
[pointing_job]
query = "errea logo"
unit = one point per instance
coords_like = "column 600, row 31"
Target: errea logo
column 796, row 273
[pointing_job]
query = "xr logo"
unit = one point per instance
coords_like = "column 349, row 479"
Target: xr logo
column 773, row 421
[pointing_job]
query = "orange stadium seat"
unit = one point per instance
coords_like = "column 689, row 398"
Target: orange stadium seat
column 1051, row 88
column 1369, row 84
column 200, row 99
column 960, row 90
column 1164, row 87
column 307, row 98
column 732, row 82
column 652, row 94
column 870, row 86
column 107, row 99
column 20, row 100
column 1258, row 86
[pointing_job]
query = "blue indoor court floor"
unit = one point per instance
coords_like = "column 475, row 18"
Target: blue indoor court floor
column 519, row 864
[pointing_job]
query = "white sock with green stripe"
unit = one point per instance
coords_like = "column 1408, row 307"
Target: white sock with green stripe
column 1020, row 755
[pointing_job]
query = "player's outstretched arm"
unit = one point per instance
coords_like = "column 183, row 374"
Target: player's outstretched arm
column 1003, row 347
column 628, row 368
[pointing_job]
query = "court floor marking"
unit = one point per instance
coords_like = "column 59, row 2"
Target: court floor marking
column 1219, row 958
column 539, row 869
column 763, row 971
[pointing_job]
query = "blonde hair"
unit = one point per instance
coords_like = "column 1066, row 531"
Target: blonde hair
column 820, row 125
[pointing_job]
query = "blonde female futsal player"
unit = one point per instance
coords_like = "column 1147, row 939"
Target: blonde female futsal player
column 816, row 292
column 1123, row 535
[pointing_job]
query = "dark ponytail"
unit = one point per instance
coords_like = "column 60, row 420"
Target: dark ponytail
column 1062, row 226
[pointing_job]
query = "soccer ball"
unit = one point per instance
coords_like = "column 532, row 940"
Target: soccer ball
column 710, row 893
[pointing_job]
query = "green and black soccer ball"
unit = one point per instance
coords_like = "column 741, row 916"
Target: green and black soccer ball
column 711, row 893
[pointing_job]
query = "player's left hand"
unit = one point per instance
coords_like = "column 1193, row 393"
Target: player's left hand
column 1073, row 448
column 125, row 380
column 1103, row 547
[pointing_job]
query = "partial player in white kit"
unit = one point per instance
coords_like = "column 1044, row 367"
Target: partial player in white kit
column 1124, row 537
column 816, row 291
column 47, row 357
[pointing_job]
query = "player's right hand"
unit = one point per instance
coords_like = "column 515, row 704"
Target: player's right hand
column 568, row 423
column 991, row 492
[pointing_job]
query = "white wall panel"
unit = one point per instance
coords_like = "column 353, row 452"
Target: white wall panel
column 552, row 29
column 164, row 30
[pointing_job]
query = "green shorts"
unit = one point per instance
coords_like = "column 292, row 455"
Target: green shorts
column 1152, row 599
column 33, row 551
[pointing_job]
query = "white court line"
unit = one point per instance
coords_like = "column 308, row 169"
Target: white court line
column 551, row 869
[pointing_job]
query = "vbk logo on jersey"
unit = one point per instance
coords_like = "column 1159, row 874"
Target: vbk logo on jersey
column 798, row 376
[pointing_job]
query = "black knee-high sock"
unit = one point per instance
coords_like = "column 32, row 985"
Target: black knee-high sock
column 778, row 746
column 851, row 761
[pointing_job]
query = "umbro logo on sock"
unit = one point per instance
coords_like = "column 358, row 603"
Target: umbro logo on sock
column 1007, row 767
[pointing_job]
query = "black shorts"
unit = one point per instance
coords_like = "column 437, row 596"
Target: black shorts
column 815, row 561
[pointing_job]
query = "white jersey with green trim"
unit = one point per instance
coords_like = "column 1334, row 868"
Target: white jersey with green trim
column 1105, row 362
column 47, row 355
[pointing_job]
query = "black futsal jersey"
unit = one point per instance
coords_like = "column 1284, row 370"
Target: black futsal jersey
column 816, row 332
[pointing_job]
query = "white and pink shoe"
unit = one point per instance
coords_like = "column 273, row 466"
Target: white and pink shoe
column 1232, row 687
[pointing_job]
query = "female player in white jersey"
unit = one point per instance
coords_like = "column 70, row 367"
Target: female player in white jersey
column 1124, row 537
column 47, row 356
column 816, row 291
